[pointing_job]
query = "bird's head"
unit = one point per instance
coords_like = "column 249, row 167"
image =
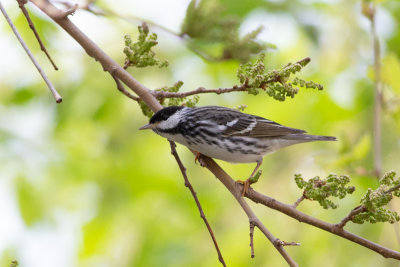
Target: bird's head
column 165, row 119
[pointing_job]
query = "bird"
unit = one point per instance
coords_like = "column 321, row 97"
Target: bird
column 226, row 134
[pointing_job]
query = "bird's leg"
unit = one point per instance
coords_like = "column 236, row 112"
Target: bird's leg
column 252, row 179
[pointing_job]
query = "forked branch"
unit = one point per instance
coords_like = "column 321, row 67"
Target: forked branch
column 194, row 194
column 32, row 58
column 332, row 228
column 21, row 4
column 150, row 100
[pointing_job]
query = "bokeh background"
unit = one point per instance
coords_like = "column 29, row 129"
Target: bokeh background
column 81, row 186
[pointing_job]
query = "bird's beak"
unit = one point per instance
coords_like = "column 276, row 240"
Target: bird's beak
column 147, row 126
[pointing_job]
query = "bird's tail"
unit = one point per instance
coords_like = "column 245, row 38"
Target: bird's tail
column 309, row 137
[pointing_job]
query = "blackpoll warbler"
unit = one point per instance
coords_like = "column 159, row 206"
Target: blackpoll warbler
column 226, row 134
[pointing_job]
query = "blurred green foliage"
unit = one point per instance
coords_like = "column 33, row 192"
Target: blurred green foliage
column 84, row 159
column 217, row 33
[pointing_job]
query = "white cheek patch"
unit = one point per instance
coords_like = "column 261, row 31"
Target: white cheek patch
column 171, row 122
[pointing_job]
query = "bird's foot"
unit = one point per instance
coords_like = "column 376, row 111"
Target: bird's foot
column 246, row 186
column 197, row 156
column 251, row 180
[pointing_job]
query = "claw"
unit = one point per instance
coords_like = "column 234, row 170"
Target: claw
column 246, row 186
column 251, row 180
column 196, row 158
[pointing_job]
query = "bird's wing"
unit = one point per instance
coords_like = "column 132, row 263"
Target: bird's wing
column 235, row 123
column 253, row 126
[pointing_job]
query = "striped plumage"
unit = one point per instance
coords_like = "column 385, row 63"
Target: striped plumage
column 225, row 133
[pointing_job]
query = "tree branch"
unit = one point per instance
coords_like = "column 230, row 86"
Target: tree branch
column 298, row 201
column 200, row 90
column 332, row 228
column 394, row 188
column 235, row 188
column 349, row 217
column 194, row 194
column 122, row 89
column 360, row 209
column 21, row 4
column 252, row 238
column 94, row 51
column 21, row 41
column 283, row 243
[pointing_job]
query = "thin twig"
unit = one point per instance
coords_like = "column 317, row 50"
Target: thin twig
column 360, row 209
column 94, row 51
column 252, row 238
column 351, row 215
column 145, row 94
column 236, row 190
column 394, row 188
column 298, row 201
column 194, row 194
column 284, row 243
column 21, row 4
column 122, row 89
column 71, row 10
column 21, row 41
column 265, row 231
column 332, row 228
column 200, row 90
